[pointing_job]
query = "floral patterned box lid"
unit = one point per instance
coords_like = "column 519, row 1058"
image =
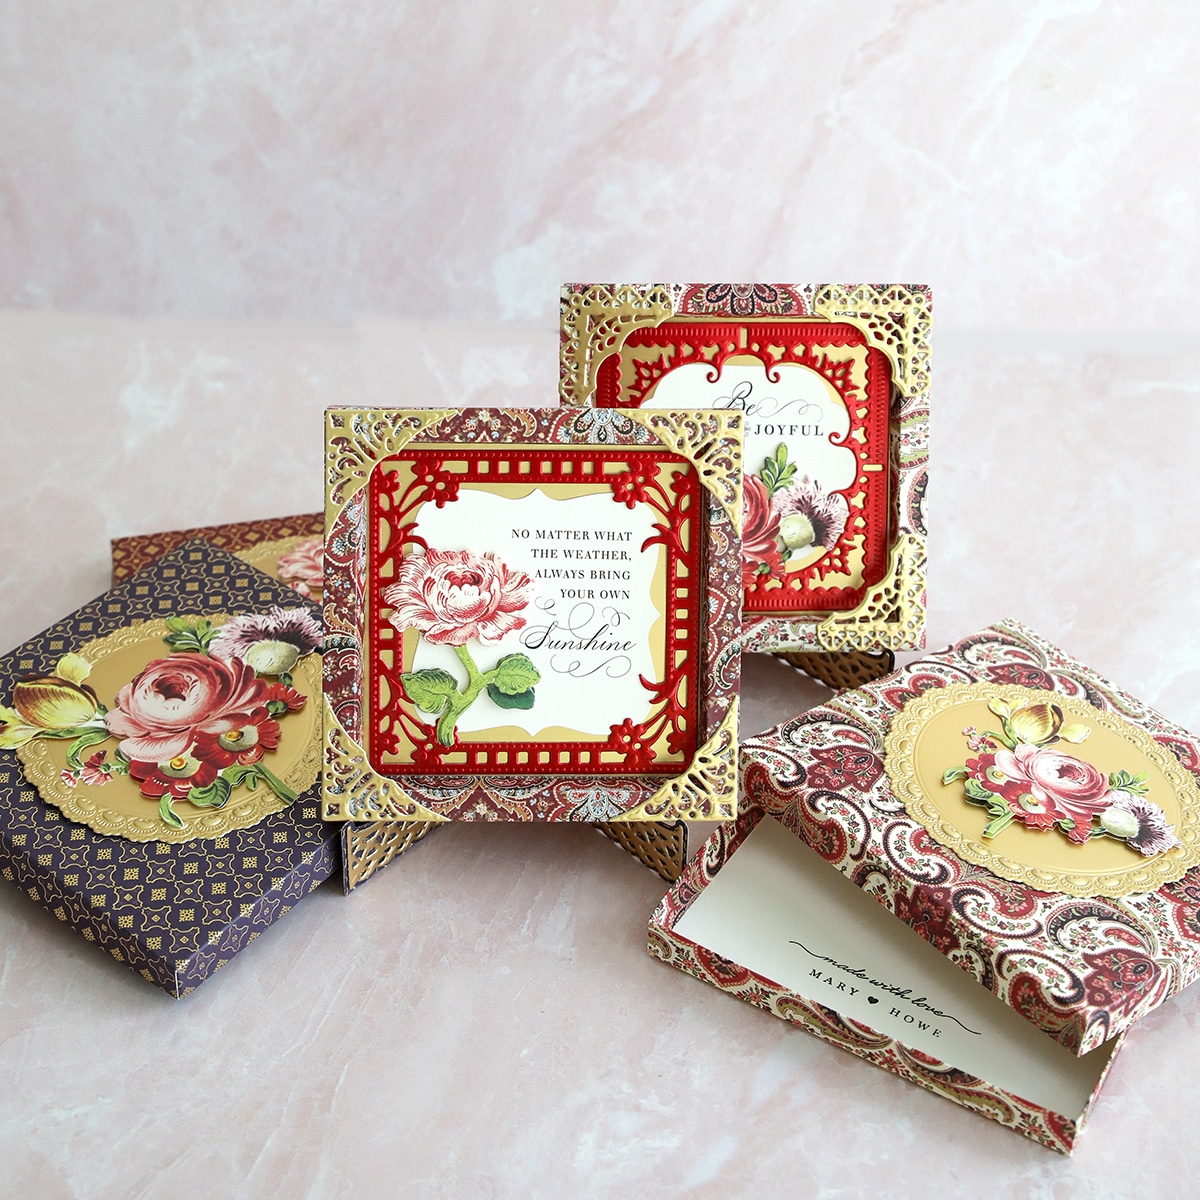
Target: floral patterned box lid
column 286, row 548
column 1037, row 825
column 159, row 754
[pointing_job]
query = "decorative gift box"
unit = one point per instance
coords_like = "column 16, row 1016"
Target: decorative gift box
column 533, row 615
column 1035, row 830
column 286, row 548
column 833, row 382
column 291, row 550
column 159, row 759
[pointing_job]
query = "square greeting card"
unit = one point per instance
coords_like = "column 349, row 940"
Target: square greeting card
column 159, row 759
column 286, row 548
column 833, row 383
column 533, row 614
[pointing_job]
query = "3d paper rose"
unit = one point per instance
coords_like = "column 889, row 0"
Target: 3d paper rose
column 452, row 596
column 760, row 530
column 1043, row 786
column 303, row 567
column 160, row 714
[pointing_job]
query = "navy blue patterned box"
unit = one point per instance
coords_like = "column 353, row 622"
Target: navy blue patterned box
column 159, row 760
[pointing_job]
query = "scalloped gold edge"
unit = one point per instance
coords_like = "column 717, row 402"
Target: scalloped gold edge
column 1148, row 875
column 706, row 791
column 347, row 768
column 88, row 808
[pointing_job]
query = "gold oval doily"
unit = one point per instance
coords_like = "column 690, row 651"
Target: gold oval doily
column 926, row 737
column 118, row 807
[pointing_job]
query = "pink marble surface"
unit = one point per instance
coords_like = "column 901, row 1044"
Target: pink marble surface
column 482, row 1019
column 337, row 159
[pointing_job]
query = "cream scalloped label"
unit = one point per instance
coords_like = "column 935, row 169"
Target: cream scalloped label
column 1044, row 789
column 114, row 803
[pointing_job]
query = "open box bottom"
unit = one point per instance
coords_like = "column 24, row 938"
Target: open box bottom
column 762, row 915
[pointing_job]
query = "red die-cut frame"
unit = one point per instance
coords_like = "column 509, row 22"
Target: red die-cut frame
column 775, row 344
column 395, row 531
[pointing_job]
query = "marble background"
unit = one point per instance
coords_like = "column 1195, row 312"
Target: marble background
column 216, row 219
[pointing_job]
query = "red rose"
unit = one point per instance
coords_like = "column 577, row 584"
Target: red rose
column 760, row 529
column 452, row 596
column 159, row 715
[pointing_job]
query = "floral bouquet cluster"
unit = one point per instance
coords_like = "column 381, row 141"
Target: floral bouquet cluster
column 784, row 517
column 450, row 597
column 1019, row 775
column 191, row 726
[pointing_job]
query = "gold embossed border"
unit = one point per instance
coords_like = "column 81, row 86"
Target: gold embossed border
column 242, row 812
column 356, row 440
column 596, row 320
column 1148, row 875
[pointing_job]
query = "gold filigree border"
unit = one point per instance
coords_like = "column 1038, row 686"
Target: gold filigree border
column 354, row 791
column 706, row 791
column 356, row 439
column 895, row 319
column 1146, row 875
column 596, row 322
column 711, row 440
column 247, row 810
column 892, row 613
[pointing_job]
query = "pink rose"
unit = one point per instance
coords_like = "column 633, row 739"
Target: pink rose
column 160, row 713
column 1059, row 783
column 303, row 567
column 452, row 596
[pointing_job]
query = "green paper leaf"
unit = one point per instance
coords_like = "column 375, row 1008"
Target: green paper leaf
column 514, row 675
column 953, row 773
column 276, row 707
column 89, row 738
column 168, row 814
column 178, row 625
column 285, row 677
column 215, row 795
column 505, row 700
column 998, row 824
column 431, row 690
column 976, row 791
column 238, row 774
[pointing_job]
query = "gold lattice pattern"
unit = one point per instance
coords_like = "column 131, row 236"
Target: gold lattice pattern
column 596, row 322
column 707, row 790
column 368, row 848
column 892, row 613
column 896, row 319
column 352, row 789
column 711, row 442
column 841, row 671
column 661, row 846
